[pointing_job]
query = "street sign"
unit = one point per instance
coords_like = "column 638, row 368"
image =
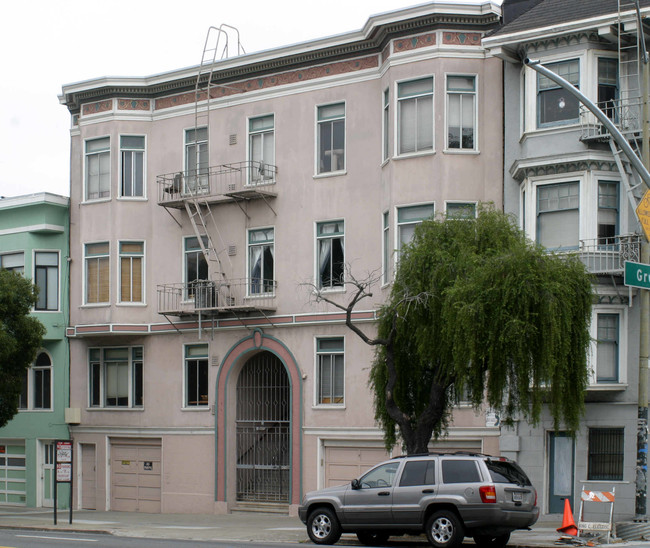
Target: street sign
column 637, row 275
column 643, row 214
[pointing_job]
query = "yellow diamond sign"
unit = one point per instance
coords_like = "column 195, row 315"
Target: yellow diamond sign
column 643, row 214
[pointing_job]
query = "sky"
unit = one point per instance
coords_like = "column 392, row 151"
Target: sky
column 45, row 45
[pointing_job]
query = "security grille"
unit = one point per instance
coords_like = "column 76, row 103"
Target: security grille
column 263, row 425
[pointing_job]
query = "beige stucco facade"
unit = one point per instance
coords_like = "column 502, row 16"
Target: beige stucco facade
column 178, row 454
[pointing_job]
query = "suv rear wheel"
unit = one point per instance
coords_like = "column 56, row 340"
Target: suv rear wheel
column 368, row 538
column 487, row 541
column 444, row 529
column 323, row 526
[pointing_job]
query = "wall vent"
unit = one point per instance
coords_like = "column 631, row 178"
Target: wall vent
column 232, row 139
column 232, row 250
column 215, row 360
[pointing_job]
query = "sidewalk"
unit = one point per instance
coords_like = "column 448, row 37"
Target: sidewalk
column 242, row 526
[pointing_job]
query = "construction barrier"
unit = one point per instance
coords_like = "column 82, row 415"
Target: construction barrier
column 603, row 497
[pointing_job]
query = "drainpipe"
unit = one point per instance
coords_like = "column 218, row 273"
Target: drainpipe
column 644, row 306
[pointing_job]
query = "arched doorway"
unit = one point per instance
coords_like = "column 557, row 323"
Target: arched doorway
column 263, row 427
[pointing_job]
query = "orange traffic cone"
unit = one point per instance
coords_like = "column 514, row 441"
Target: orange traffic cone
column 568, row 525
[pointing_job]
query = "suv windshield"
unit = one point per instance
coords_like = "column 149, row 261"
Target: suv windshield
column 507, row 472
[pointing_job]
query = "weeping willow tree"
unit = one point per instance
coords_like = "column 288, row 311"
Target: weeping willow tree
column 478, row 310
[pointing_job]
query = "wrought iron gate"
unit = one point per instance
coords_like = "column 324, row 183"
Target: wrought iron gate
column 263, row 426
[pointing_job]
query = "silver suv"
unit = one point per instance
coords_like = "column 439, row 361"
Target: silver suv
column 446, row 496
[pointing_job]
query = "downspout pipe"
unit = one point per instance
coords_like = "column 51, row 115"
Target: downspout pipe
column 618, row 137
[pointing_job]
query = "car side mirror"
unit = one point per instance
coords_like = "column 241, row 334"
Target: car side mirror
column 356, row 484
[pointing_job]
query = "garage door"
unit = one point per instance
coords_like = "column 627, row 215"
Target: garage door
column 343, row 464
column 12, row 473
column 135, row 476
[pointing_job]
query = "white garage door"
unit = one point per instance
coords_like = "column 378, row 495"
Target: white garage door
column 12, row 473
column 135, row 476
column 343, row 464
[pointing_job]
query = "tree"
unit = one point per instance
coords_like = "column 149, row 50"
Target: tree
column 478, row 310
column 21, row 336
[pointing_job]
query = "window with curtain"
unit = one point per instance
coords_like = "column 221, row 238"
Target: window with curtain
column 330, row 254
column 331, row 138
column 461, row 112
column 415, row 115
column 607, row 348
column 115, row 377
column 261, row 261
column 261, row 148
column 196, row 267
column 558, row 215
column 196, row 161
column 196, row 375
column 46, row 278
column 132, row 151
column 131, row 272
column 98, row 168
column 13, row 261
column 408, row 218
column 330, row 371
column 554, row 105
column 96, row 259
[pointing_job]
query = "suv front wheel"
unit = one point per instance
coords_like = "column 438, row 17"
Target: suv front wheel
column 323, row 526
column 444, row 529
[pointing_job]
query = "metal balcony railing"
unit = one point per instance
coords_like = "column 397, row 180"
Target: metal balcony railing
column 608, row 255
column 239, row 295
column 626, row 116
column 238, row 180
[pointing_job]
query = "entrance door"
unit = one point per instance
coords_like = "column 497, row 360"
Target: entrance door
column 560, row 485
column 263, row 426
column 88, row 477
column 47, row 472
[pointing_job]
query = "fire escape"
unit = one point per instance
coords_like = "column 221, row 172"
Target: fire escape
column 200, row 190
column 620, row 97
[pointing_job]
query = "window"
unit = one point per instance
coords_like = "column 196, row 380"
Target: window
column 408, row 218
column 196, row 267
column 606, row 454
column 96, row 258
column 196, row 375
column 261, row 136
column 607, row 212
column 608, row 86
column 196, row 160
column 418, row 472
column 382, row 476
column 460, row 210
column 132, row 151
column 260, row 261
column 461, row 112
column 98, row 168
column 116, row 377
column 331, row 256
column 607, row 348
column 331, row 138
column 460, row 471
column 386, row 127
column 13, row 261
column 554, row 105
column 46, row 278
column 415, row 115
column 36, row 384
column 330, row 371
column 131, row 272
column 386, row 249
column 558, row 215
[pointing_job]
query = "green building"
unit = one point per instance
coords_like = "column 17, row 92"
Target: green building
column 34, row 241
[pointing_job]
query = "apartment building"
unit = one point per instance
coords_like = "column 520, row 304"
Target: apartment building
column 206, row 205
column 574, row 192
column 34, row 242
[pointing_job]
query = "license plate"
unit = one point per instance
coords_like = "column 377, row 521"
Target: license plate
column 517, row 496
